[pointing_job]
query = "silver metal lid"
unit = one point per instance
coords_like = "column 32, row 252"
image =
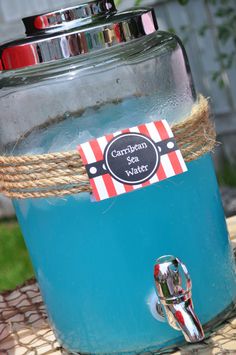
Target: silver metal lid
column 63, row 34
column 72, row 16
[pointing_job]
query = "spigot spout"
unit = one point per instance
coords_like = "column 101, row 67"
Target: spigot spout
column 174, row 288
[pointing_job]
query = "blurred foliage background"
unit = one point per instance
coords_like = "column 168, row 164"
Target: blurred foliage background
column 225, row 32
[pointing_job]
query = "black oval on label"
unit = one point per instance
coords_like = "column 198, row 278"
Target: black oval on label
column 132, row 158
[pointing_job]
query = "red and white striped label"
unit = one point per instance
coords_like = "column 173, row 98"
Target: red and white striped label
column 131, row 159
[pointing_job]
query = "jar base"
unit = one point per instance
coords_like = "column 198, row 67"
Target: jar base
column 209, row 328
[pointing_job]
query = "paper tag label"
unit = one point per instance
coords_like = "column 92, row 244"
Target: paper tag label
column 131, row 159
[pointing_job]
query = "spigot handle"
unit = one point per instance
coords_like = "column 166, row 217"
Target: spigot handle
column 172, row 279
column 174, row 290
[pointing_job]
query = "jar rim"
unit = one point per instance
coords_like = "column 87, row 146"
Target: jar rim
column 112, row 31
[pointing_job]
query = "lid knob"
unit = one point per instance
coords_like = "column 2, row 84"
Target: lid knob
column 70, row 17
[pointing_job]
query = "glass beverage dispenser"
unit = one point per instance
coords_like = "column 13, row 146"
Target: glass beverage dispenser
column 80, row 75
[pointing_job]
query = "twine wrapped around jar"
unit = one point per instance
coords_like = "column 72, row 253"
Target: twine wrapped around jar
column 63, row 173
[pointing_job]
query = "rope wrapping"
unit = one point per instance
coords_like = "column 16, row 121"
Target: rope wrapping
column 63, row 173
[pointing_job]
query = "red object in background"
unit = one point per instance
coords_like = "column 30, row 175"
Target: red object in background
column 118, row 32
column 180, row 317
column 41, row 22
column 156, row 270
column 19, row 56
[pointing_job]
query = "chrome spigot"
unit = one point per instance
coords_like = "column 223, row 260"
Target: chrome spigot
column 174, row 287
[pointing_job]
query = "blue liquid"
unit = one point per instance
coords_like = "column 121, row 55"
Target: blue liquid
column 94, row 261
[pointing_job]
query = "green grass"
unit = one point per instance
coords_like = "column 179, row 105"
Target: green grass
column 15, row 266
column 227, row 175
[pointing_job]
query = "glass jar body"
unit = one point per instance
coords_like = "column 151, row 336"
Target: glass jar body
column 94, row 260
